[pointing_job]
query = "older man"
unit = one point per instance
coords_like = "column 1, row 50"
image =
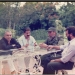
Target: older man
column 7, row 43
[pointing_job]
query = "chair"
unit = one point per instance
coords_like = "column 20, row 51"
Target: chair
column 67, row 72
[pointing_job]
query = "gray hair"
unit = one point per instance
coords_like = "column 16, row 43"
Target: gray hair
column 7, row 30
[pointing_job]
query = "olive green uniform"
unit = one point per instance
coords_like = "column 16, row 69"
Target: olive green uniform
column 57, row 40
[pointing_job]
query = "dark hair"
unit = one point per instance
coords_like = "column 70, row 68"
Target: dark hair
column 71, row 30
column 26, row 29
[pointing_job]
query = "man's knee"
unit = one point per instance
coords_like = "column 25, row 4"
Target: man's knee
column 52, row 66
column 49, row 65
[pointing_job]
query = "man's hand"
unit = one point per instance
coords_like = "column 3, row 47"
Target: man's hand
column 13, row 45
column 56, row 60
column 49, row 47
column 35, row 44
column 52, row 61
column 22, row 48
column 26, row 45
column 42, row 45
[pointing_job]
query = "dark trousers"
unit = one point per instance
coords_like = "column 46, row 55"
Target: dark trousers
column 50, row 67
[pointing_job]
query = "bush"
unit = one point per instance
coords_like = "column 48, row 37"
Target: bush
column 40, row 34
column 1, row 32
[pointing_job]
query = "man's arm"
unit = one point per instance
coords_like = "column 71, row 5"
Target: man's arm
column 56, row 60
column 49, row 47
column 16, row 44
column 43, row 45
column 4, row 46
column 34, row 41
column 20, row 40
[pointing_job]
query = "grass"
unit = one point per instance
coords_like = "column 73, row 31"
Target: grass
column 40, row 41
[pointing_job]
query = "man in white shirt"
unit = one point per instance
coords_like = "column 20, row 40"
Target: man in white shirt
column 67, row 58
column 27, row 41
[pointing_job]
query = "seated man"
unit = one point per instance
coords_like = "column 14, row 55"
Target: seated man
column 67, row 57
column 27, row 41
column 7, row 43
column 53, row 39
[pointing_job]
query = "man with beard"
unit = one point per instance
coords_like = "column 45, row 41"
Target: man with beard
column 66, row 59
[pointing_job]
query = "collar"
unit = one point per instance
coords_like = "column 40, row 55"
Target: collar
column 72, row 41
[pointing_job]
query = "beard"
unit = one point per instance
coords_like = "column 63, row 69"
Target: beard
column 69, row 38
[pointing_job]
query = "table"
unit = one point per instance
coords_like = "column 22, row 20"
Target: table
column 28, row 58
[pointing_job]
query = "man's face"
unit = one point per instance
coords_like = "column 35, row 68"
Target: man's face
column 8, row 36
column 68, row 36
column 51, row 33
column 27, row 34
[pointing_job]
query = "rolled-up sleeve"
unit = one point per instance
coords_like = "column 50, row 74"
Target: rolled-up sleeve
column 62, row 47
column 69, row 54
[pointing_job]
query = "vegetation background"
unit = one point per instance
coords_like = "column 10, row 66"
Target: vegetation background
column 39, row 16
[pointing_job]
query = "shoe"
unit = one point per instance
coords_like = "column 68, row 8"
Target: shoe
column 64, row 72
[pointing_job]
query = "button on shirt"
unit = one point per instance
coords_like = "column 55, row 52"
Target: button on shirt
column 68, row 53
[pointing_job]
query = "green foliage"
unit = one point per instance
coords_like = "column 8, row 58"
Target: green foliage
column 59, row 27
column 2, row 32
column 37, row 15
column 40, row 34
column 40, row 41
column 67, row 13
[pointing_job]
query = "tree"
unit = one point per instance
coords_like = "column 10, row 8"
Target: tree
column 67, row 14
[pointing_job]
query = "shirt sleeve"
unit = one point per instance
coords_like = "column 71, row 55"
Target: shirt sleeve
column 62, row 47
column 20, row 40
column 17, row 45
column 34, row 41
column 4, row 46
column 69, row 54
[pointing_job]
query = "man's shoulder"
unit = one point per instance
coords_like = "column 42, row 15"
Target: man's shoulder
column 2, row 39
column 13, row 39
column 21, row 37
column 31, row 37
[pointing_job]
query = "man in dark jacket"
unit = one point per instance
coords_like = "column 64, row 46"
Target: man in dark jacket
column 7, row 43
